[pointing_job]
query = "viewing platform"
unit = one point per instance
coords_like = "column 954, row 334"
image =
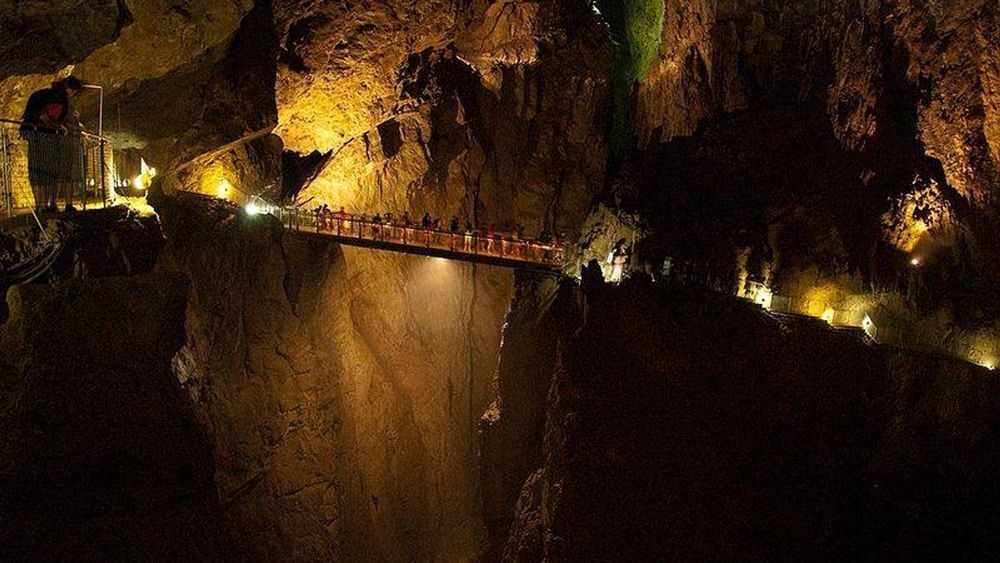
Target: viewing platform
column 47, row 168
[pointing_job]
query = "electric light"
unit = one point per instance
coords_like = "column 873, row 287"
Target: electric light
column 253, row 209
column 868, row 326
column 145, row 177
column 764, row 297
column 915, row 262
column 223, row 188
column 828, row 315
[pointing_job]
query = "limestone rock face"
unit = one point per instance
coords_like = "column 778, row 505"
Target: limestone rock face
column 101, row 457
column 466, row 117
column 512, row 429
column 338, row 76
column 341, row 389
column 896, row 95
column 45, row 35
column 338, row 392
column 686, row 438
column 257, row 388
column 160, row 37
column 217, row 96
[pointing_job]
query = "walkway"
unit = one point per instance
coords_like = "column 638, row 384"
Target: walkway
column 501, row 249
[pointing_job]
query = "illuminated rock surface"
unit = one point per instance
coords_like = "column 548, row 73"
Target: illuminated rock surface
column 342, row 389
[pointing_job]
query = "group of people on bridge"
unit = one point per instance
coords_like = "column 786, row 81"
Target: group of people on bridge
column 429, row 232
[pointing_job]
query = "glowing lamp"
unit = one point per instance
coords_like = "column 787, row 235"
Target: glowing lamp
column 253, row 209
column 764, row 297
column 137, row 183
column 223, row 188
column 869, row 327
column 828, row 315
column 916, row 261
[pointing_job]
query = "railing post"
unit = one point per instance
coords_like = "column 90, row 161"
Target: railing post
column 84, row 163
column 5, row 172
column 104, row 187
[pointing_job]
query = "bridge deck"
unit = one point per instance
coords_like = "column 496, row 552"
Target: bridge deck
column 498, row 251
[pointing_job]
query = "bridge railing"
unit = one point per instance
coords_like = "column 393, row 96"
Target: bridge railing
column 39, row 167
column 499, row 245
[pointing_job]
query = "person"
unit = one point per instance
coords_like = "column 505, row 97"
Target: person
column 54, row 159
column 490, row 230
column 341, row 216
column 619, row 261
column 427, row 223
column 390, row 225
column 453, row 229
column 591, row 278
column 325, row 217
column 361, row 220
column 468, row 236
column 377, row 226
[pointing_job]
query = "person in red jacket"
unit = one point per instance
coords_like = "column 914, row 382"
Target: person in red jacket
column 54, row 157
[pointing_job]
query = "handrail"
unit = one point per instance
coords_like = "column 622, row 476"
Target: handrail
column 78, row 177
column 36, row 128
column 555, row 251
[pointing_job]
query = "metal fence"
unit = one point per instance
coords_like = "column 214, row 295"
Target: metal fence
column 42, row 168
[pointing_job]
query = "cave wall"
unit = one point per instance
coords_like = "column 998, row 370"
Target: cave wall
column 102, row 456
column 43, row 36
column 465, row 117
column 341, row 390
column 711, row 431
column 415, row 361
column 160, row 36
column 844, row 136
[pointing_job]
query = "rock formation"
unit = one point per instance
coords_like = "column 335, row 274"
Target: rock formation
column 692, row 439
column 102, row 455
column 297, row 400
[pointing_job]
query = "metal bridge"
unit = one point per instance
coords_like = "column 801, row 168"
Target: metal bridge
column 500, row 249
